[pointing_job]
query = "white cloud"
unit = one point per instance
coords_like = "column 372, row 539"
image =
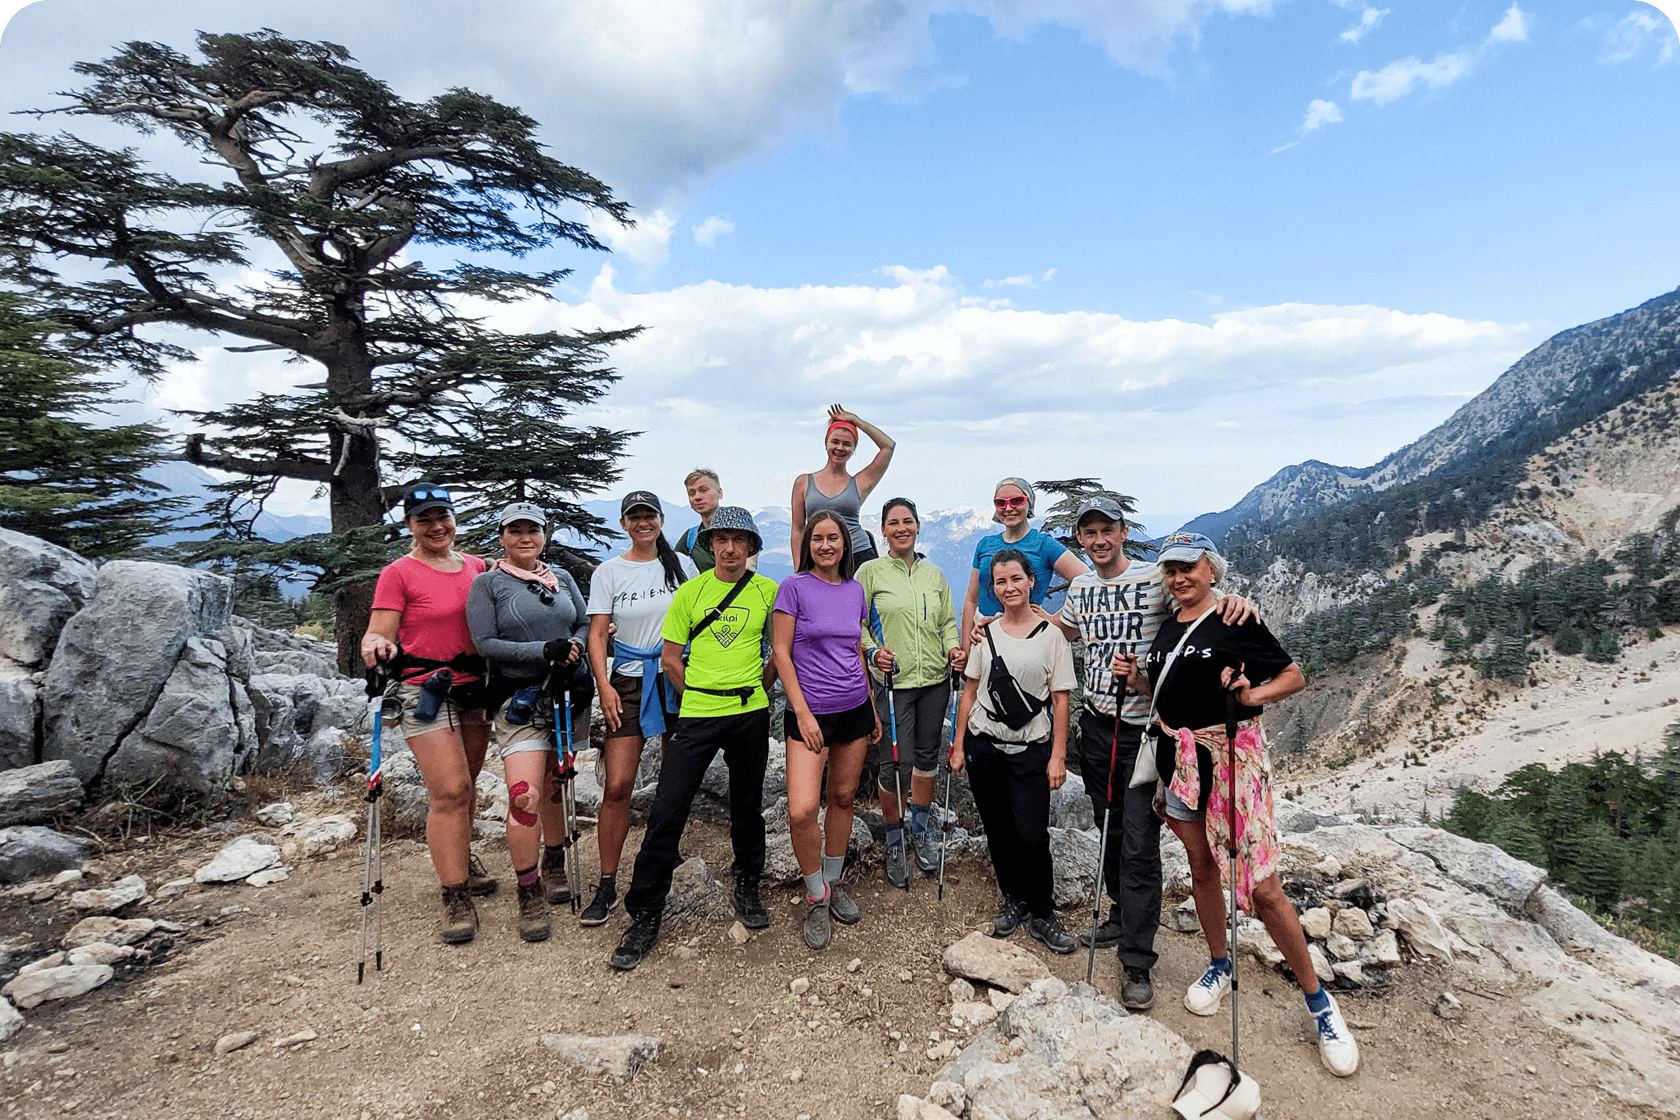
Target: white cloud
column 1368, row 20
column 647, row 242
column 1320, row 113
column 1513, row 28
column 1025, row 280
column 1398, row 78
column 1634, row 34
column 708, row 231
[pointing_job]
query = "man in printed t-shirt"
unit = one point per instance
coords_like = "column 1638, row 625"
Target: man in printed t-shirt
column 722, row 616
column 1117, row 610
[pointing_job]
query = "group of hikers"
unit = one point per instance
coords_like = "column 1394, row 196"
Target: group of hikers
column 688, row 642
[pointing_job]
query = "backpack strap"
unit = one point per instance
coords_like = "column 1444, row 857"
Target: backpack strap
column 716, row 612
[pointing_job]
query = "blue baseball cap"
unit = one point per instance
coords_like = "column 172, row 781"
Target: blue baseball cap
column 1189, row 548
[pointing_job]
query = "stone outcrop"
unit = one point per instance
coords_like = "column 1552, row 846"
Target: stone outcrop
column 32, row 794
column 41, row 586
column 28, row 851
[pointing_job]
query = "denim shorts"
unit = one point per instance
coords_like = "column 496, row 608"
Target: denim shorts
column 1179, row 811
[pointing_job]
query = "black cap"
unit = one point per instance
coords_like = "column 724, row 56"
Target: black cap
column 640, row 498
column 422, row 496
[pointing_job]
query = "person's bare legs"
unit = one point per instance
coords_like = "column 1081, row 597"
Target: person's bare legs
column 623, row 756
column 845, row 770
column 527, row 767
column 804, row 779
column 449, row 785
column 1204, row 885
column 1285, row 927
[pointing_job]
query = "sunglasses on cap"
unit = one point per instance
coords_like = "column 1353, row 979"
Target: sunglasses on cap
column 1010, row 503
column 428, row 493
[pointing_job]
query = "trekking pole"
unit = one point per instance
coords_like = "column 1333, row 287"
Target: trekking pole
column 898, row 777
column 945, row 816
column 373, row 879
column 1102, row 845
column 1231, row 854
column 568, row 771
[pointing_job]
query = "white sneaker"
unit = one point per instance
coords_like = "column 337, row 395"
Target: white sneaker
column 1336, row 1047
column 1204, row 995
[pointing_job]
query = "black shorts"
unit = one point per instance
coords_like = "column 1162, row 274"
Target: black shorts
column 837, row 727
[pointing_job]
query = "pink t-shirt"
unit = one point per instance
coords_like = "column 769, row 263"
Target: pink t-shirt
column 433, row 606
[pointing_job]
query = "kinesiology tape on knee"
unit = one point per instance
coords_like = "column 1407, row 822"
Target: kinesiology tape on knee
column 522, row 816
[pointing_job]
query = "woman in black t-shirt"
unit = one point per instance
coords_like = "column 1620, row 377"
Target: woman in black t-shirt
column 1196, row 662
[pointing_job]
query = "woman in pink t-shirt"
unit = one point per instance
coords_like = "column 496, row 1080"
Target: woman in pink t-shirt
column 818, row 630
column 420, row 603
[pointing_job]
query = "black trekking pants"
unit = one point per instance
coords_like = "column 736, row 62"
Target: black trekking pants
column 1132, row 863
column 745, row 742
column 1012, row 792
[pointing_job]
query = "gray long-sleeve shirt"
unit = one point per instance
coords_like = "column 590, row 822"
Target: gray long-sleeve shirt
column 510, row 623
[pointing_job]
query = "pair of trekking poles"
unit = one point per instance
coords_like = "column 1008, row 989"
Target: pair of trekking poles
column 373, row 878
column 898, row 777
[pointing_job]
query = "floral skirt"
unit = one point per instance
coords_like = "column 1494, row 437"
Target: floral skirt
column 1256, row 823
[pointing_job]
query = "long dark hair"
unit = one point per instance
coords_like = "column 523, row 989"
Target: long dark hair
column 674, row 575
column 848, row 562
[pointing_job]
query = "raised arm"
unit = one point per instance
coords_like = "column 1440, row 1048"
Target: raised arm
column 869, row 477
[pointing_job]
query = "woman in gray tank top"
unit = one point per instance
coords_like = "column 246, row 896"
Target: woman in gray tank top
column 835, row 488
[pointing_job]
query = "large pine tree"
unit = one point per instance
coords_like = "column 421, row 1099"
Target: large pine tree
column 333, row 186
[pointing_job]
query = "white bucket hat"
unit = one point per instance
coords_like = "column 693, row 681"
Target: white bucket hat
column 1207, row 1093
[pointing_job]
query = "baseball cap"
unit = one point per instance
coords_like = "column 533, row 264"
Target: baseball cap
column 422, row 496
column 1208, row 1093
column 1188, row 548
column 524, row 511
column 640, row 498
column 1108, row 507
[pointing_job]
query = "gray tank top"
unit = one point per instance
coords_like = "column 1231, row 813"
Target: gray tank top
column 847, row 504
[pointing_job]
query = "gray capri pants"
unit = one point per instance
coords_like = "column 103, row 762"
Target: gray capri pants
column 921, row 725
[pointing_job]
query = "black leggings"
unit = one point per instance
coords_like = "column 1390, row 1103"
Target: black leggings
column 1012, row 792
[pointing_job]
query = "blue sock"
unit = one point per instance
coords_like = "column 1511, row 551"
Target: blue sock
column 918, row 817
column 1318, row 1001
column 1223, row 964
column 895, row 835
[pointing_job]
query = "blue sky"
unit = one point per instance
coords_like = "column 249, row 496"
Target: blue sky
column 1174, row 243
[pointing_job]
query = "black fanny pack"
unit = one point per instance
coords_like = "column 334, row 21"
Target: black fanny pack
column 1012, row 705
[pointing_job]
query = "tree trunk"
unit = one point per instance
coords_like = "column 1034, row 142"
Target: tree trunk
column 355, row 495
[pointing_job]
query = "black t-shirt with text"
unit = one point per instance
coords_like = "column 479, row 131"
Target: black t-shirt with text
column 1193, row 696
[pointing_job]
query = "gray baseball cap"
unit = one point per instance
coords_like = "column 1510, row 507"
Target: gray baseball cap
column 1108, row 507
column 524, row 511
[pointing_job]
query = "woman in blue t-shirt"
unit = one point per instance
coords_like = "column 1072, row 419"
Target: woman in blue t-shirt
column 818, row 629
column 1012, row 505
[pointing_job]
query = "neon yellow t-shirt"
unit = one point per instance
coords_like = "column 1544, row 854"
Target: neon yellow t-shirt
column 728, row 654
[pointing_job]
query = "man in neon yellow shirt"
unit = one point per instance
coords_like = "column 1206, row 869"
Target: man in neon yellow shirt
column 722, row 617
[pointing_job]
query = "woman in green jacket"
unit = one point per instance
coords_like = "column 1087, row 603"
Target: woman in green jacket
column 915, row 641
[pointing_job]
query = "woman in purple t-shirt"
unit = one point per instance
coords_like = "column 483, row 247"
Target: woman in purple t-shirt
column 818, row 629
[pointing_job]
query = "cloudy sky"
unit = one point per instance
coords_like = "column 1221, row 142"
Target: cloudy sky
column 1176, row 244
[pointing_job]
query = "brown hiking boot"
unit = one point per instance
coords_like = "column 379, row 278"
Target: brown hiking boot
column 533, row 913
column 554, row 875
column 479, row 880
column 460, row 917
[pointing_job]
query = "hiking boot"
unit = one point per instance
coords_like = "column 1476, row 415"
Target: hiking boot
column 606, row 901
column 926, row 845
column 460, row 917
column 1137, row 993
column 898, row 872
column 533, row 913
column 554, row 876
column 1009, row 917
column 638, row 942
column 1107, row 934
column 748, row 905
column 1336, row 1047
column 1204, row 995
column 1052, row 934
column 843, row 906
column 817, row 929
column 479, row 880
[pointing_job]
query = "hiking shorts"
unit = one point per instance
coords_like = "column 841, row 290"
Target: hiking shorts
column 535, row 735
column 449, row 717
column 837, row 727
column 1177, row 810
column 629, row 691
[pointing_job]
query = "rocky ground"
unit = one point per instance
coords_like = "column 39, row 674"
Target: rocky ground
column 241, row 1001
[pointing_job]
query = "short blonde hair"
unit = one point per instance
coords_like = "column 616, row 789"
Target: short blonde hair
column 703, row 472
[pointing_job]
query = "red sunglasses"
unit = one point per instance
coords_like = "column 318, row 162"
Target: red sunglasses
column 1009, row 503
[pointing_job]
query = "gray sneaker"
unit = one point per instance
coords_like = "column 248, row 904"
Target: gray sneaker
column 927, row 849
column 898, row 873
column 818, row 929
column 843, row 906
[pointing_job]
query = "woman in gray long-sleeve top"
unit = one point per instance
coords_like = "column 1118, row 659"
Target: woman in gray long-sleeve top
column 526, row 617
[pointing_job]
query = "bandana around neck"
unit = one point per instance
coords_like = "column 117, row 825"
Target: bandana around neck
column 543, row 574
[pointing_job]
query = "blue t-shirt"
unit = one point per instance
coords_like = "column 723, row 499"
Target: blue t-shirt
column 1041, row 550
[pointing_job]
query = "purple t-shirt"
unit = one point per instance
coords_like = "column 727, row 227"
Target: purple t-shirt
column 827, row 624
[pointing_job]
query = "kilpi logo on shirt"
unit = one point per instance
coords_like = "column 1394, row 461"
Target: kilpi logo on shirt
column 730, row 625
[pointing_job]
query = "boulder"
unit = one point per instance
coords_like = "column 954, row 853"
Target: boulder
column 315, row 835
column 1316, row 922
column 299, row 720
column 64, row 982
column 114, row 931
column 20, row 714
column 99, row 952
column 1058, row 1052
column 115, row 655
column 199, row 730
column 696, row 895
column 108, row 900
column 621, row 1056
column 1421, row 928
column 11, row 1021
column 1475, row 866
column 995, row 962
column 276, row 814
column 41, row 587
column 239, row 858
column 405, row 797
column 1070, row 807
column 1073, row 861
column 915, row 1108
column 1353, row 922
column 32, row 794
column 29, row 850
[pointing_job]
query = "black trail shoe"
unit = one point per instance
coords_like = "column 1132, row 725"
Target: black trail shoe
column 749, row 906
column 1137, row 993
column 606, row 901
column 1009, row 917
column 638, row 942
column 1052, row 934
column 1107, row 934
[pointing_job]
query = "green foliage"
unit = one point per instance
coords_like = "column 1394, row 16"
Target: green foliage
column 1607, row 831
column 62, row 478
column 1058, row 521
column 1338, row 635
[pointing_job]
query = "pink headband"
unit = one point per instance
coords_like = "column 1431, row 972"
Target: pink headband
column 833, row 424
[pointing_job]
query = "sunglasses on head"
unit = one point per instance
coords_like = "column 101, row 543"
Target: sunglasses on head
column 425, row 495
column 1009, row 503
